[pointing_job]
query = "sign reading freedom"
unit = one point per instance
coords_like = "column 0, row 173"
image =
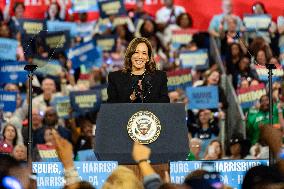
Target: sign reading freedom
column 232, row 172
column 262, row 73
column 179, row 79
column 51, row 174
column 248, row 96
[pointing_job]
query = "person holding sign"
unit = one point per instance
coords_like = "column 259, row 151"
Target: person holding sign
column 183, row 22
column 139, row 81
column 258, row 8
column 14, row 21
column 218, row 21
column 232, row 35
column 212, row 78
column 260, row 23
column 46, row 151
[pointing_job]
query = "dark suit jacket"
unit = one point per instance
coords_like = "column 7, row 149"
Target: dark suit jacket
column 120, row 87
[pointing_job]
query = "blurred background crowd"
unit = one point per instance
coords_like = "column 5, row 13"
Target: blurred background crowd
column 235, row 64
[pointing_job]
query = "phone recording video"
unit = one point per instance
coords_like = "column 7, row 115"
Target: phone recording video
column 212, row 177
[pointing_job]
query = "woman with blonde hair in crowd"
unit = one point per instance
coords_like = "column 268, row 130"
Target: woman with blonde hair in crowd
column 20, row 152
column 122, row 178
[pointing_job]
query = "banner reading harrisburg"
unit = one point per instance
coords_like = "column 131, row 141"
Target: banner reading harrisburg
column 50, row 174
column 232, row 172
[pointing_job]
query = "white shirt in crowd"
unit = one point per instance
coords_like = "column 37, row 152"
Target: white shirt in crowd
column 164, row 13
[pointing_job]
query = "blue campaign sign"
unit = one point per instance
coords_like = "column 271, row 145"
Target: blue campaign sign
column 194, row 59
column 232, row 172
column 32, row 27
column 8, row 49
column 53, row 26
column 262, row 73
column 13, row 72
column 103, row 91
column 62, row 106
column 281, row 55
column 85, row 54
column 85, row 101
column 106, row 43
column 47, row 67
column 111, row 7
column 55, row 41
column 84, row 6
column 254, row 22
column 282, row 49
column 85, row 29
column 181, row 37
column 8, row 101
column 86, row 155
column 202, row 97
column 50, row 175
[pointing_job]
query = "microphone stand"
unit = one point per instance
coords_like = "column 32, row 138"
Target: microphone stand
column 270, row 67
column 30, row 68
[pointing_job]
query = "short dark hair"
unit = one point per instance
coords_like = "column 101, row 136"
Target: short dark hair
column 260, row 4
column 188, row 16
column 262, row 176
column 18, row 4
column 7, row 162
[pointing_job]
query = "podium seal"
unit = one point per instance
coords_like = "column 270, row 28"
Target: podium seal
column 144, row 127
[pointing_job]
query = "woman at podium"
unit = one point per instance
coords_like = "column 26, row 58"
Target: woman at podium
column 139, row 81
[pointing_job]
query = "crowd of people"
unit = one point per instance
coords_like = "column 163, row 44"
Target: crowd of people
column 261, row 176
column 244, row 52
